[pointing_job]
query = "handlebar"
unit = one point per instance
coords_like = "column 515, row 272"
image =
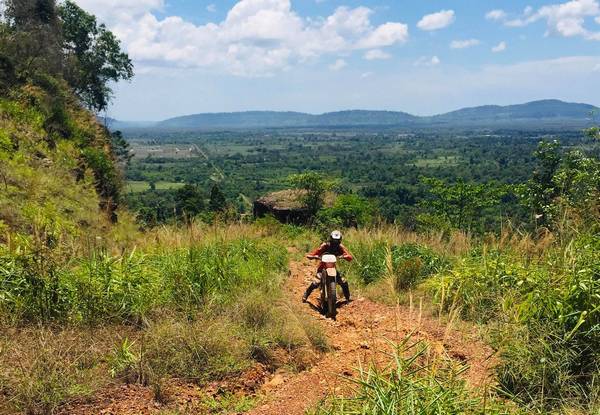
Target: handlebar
column 318, row 257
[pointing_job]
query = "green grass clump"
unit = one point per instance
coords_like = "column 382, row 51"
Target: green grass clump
column 416, row 384
column 406, row 264
column 128, row 287
column 543, row 313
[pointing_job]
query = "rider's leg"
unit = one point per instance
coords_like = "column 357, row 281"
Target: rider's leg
column 345, row 287
column 313, row 286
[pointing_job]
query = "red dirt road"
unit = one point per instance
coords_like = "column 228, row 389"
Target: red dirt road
column 361, row 335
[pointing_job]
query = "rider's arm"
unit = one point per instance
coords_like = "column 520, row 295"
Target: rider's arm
column 346, row 254
column 316, row 254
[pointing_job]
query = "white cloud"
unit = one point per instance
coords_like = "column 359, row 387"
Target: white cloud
column 563, row 19
column 496, row 14
column 463, row 44
column 597, row 19
column 436, row 21
column 338, row 65
column 211, row 8
column 596, row 68
column 500, row 47
column 426, row 61
column 256, row 38
column 374, row 54
column 385, row 35
column 366, row 75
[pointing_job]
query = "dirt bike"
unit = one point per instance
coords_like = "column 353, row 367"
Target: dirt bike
column 329, row 275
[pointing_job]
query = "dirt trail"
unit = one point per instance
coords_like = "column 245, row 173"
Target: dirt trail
column 361, row 334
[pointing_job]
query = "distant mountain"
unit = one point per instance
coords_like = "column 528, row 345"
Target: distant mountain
column 537, row 113
column 265, row 119
column 247, row 119
column 545, row 110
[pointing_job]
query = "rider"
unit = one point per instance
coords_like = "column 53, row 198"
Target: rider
column 333, row 247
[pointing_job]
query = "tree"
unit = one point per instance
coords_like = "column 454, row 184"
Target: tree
column 349, row 210
column 120, row 147
column 458, row 205
column 189, row 201
column 541, row 191
column 217, row 202
column 31, row 37
column 314, row 187
column 570, row 180
column 93, row 56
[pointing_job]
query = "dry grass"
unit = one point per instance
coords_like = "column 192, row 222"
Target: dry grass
column 457, row 243
column 42, row 368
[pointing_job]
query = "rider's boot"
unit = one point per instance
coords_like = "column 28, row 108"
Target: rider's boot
column 346, row 290
column 309, row 290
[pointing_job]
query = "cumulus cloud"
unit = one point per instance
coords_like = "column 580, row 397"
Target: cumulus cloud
column 563, row 19
column 463, row 44
column 256, row 38
column 427, row 61
column 496, row 14
column 374, row 54
column 211, row 8
column 500, row 47
column 436, row 21
column 338, row 65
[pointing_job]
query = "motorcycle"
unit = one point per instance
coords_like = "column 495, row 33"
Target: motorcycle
column 329, row 275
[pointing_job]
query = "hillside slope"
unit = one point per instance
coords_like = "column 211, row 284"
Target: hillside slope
column 57, row 172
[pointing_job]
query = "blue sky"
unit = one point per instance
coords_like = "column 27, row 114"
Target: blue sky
column 422, row 57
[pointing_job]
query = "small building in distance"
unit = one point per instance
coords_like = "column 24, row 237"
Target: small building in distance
column 285, row 205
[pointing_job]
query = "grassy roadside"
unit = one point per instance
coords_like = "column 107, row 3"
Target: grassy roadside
column 534, row 299
column 201, row 304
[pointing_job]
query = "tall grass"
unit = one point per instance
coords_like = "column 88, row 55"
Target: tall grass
column 199, row 304
column 405, row 264
column 127, row 287
column 543, row 313
column 417, row 383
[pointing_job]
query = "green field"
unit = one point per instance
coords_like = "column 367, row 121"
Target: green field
column 136, row 186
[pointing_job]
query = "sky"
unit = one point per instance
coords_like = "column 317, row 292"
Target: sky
column 420, row 56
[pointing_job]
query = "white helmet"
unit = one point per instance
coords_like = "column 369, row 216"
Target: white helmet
column 336, row 237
